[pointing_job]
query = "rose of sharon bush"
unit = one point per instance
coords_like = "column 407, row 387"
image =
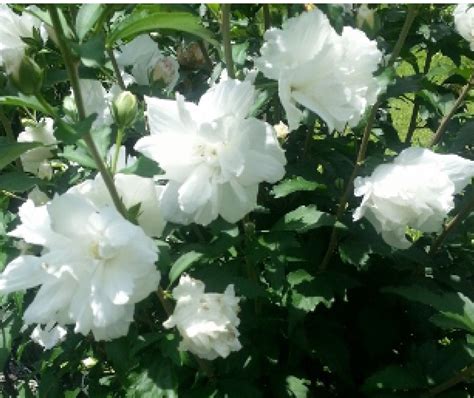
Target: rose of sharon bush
column 94, row 266
column 416, row 190
column 464, row 22
column 213, row 155
column 330, row 74
column 207, row 321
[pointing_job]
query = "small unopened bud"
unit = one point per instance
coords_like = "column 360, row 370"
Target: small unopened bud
column 190, row 55
column 281, row 131
column 365, row 17
column 309, row 7
column 125, row 109
column 27, row 76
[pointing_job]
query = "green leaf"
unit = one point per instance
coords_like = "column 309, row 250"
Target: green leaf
column 17, row 181
column 92, row 52
column 303, row 219
column 291, row 185
column 70, row 133
column 395, row 377
column 23, row 100
column 142, row 22
column 87, row 17
column 156, row 381
column 297, row 387
column 455, row 310
column 182, row 264
column 11, row 151
column 144, row 167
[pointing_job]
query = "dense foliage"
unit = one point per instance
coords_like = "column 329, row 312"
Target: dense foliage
column 326, row 307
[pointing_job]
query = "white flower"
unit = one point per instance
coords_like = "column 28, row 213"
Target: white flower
column 94, row 266
column 213, row 155
column 330, row 74
column 207, row 321
column 281, row 130
column 143, row 55
column 464, row 22
column 133, row 190
column 166, row 70
column 417, row 190
column 97, row 100
column 48, row 336
column 365, row 15
column 35, row 160
column 13, row 28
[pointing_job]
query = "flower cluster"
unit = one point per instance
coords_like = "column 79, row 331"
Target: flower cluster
column 213, row 155
column 147, row 63
column 90, row 276
column 416, row 190
column 207, row 321
column 330, row 74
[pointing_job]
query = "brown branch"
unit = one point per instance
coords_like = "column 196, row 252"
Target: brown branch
column 445, row 120
column 458, row 378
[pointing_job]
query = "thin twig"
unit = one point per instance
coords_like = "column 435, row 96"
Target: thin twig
column 416, row 105
column 411, row 14
column 455, row 221
column 225, row 32
column 118, row 74
column 267, row 19
column 458, row 378
column 71, row 68
column 445, row 120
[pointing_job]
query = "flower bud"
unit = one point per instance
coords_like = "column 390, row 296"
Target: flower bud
column 125, row 109
column 365, row 17
column 166, row 70
column 27, row 76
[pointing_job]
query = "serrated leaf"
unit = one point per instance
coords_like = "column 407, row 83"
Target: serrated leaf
column 182, row 264
column 23, row 100
column 455, row 310
column 9, row 151
column 17, row 181
column 303, row 219
column 143, row 21
column 291, row 185
column 396, row 378
column 156, row 381
column 86, row 18
column 297, row 387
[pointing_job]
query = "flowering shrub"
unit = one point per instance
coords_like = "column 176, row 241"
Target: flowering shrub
column 236, row 200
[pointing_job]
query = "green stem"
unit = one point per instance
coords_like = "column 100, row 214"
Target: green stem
column 74, row 79
column 118, row 75
column 225, row 31
column 118, row 143
column 333, row 240
column 445, row 120
column 267, row 19
column 9, row 134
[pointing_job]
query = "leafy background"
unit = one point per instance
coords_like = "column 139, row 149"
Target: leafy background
column 376, row 323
